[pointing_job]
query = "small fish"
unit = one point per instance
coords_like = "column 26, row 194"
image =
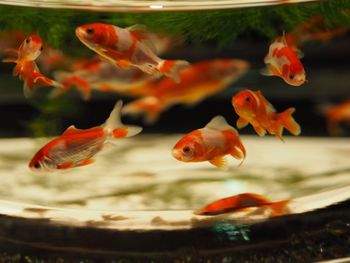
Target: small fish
column 94, row 74
column 26, row 68
column 242, row 202
column 210, row 143
column 126, row 47
column 76, row 147
column 197, row 82
column 337, row 114
column 283, row 61
column 252, row 107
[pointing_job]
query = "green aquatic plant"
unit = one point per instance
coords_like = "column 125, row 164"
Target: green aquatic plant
column 220, row 26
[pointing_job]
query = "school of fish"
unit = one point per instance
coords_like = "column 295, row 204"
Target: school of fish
column 127, row 62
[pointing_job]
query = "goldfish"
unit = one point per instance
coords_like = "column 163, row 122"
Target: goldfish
column 242, row 202
column 197, row 82
column 252, row 107
column 210, row 143
column 337, row 114
column 127, row 47
column 283, row 61
column 26, row 68
column 95, row 74
column 77, row 147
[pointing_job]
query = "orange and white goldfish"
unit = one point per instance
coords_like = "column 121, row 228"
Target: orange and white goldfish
column 283, row 61
column 126, row 47
column 76, row 147
column 337, row 114
column 197, row 82
column 210, row 143
column 26, row 68
column 252, row 107
column 242, row 202
column 94, row 74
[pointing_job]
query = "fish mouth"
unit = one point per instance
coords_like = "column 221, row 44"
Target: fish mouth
column 80, row 33
column 177, row 154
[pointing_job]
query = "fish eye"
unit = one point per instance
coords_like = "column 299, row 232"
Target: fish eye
column 186, row 149
column 37, row 165
column 89, row 31
column 28, row 40
column 291, row 76
column 41, row 49
column 247, row 99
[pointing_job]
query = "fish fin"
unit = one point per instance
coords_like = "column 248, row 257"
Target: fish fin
column 86, row 162
column 172, row 68
column 10, row 60
column 123, row 64
column 239, row 152
column 270, row 71
column 259, row 130
column 288, row 121
column 220, row 123
column 11, row 50
column 65, row 165
column 220, row 162
column 241, row 123
column 298, row 52
column 71, row 130
column 149, row 106
column 266, row 72
column 27, row 91
column 269, row 106
column 279, row 208
column 276, row 129
column 143, row 35
column 148, row 68
column 113, row 125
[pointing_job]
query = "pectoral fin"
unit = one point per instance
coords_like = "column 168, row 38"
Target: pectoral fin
column 86, row 162
column 219, row 162
column 241, row 123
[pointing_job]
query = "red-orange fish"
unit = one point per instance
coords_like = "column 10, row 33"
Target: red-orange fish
column 197, row 82
column 242, row 202
column 252, row 107
column 26, row 68
column 336, row 115
column 126, row 47
column 283, row 61
column 210, row 143
column 77, row 147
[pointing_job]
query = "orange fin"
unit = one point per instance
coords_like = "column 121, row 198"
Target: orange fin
column 172, row 68
column 11, row 50
column 239, row 152
column 279, row 208
column 149, row 106
column 241, row 123
column 65, row 165
column 220, row 162
column 123, row 64
column 259, row 130
column 9, row 60
column 288, row 121
column 86, row 162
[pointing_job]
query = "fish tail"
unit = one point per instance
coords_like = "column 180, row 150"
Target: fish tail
column 279, row 208
column 115, row 128
column 288, row 121
column 69, row 80
column 172, row 68
column 9, row 60
column 239, row 151
column 148, row 106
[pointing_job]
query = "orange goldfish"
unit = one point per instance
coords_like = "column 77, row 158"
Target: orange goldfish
column 242, row 202
column 282, row 61
column 337, row 114
column 77, row 147
column 103, row 76
column 26, row 68
column 128, row 47
column 252, row 107
column 210, row 143
column 197, row 82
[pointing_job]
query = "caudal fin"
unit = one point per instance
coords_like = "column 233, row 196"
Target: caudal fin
column 172, row 68
column 115, row 128
column 288, row 121
column 150, row 107
column 279, row 208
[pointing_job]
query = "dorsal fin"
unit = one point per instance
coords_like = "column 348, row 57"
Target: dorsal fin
column 269, row 106
column 70, row 130
column 219, row 123
column 143, row 35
